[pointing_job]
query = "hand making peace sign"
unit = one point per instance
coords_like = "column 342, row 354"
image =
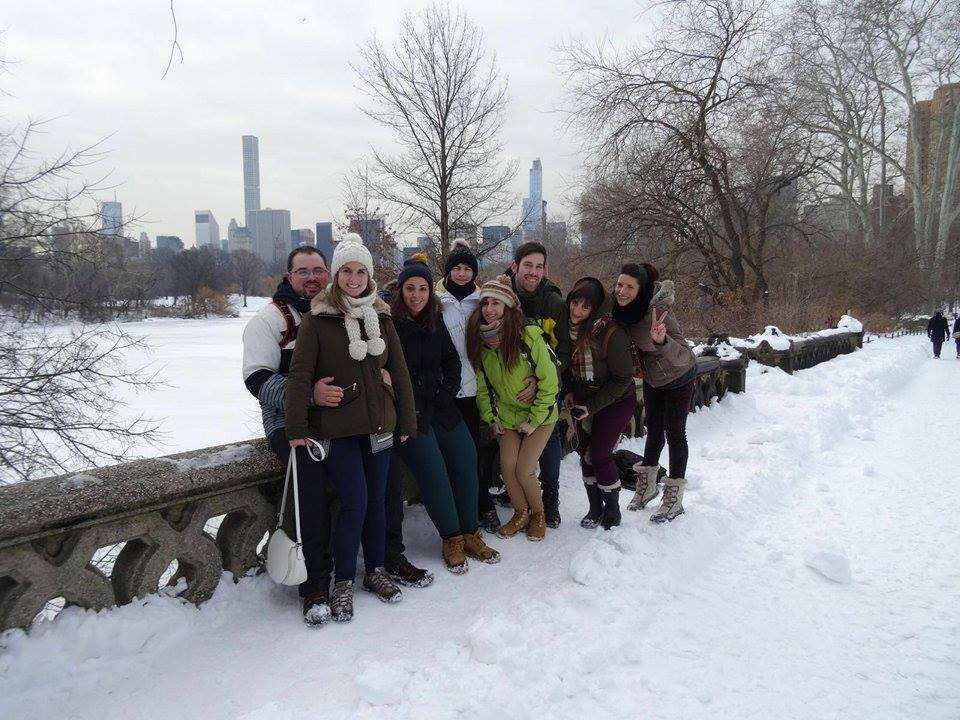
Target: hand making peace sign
column 658, row 327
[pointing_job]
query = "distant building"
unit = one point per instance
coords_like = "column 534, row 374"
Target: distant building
column 325, row 239
column 225, row 245
column 144, row 245
column 556, row 232
column 271, row 234
column 111, row 218
column 251, row 176
column 533, row 208
column 207, row 228
column 169, row 242
column 238, row 237
column 303, row 236
column 498, row 238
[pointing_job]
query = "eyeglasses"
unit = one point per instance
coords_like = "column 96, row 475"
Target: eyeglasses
column 307, row 272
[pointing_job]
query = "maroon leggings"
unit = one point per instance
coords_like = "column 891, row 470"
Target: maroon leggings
column 666, row 417
column 596, row 447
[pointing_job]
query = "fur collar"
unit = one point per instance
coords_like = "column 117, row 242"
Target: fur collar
column 664, row 294
column 320, row 306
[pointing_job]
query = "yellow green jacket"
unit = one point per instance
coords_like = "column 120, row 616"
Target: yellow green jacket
column 498, row 386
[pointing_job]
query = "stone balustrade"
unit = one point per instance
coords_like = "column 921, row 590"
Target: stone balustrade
column 806, row 352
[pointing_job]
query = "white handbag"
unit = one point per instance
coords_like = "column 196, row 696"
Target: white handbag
column 285, row 561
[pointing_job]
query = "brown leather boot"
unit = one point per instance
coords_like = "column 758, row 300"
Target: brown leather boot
column 454, row 556
column 476, row 548
column 519, row 521
column 537, row 528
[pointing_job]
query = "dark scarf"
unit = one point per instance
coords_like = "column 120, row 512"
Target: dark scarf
column 285, row 294
column 459, row 291
column 637, row 309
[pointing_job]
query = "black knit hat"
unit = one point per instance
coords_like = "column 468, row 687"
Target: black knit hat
column 460, row 253
column 415, row 267
column 590, row 289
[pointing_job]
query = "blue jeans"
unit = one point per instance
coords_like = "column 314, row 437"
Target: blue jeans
column 360, row 478
column 550, row 461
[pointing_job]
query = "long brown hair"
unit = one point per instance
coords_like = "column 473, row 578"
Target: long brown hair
column 513, row 322
column 586, row 338
column 429, row 317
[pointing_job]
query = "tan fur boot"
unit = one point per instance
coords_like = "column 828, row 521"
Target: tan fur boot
column 475, row 547
column 672, row 503
column 647, row 488
column 454, row 556
column 537, row 529
column 519, row 521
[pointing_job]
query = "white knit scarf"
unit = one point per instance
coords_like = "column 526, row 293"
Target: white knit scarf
column 362, row 308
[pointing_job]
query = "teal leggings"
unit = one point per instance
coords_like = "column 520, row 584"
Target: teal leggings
column 444, row 464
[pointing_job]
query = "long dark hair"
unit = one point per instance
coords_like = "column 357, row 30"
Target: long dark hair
column 585, row 335
column 513, row 322
column 429, row 317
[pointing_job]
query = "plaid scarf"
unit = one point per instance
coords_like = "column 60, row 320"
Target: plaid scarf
column 581, row 363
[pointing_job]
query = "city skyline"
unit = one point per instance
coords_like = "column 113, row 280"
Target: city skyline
column 268, row 74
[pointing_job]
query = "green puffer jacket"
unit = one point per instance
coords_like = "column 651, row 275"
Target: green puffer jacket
column 498, row 386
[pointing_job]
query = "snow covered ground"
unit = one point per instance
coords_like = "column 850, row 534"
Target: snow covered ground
column 815, row 575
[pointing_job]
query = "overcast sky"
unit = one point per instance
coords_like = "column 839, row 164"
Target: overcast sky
column 276, row 69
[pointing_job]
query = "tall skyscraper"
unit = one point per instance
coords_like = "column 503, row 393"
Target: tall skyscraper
column 325, row 239
column 111, row 218
column 251, row 176
column 207, row 227
column 271, row 234
column 533, row 204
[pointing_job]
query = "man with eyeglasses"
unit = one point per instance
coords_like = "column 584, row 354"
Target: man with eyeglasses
column 268, row 342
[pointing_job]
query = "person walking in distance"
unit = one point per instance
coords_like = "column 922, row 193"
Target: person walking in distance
column 542, row 303
column 348, row 337
column 938, row 330
column 505, row 351
column 956, row 333
column 670, row 374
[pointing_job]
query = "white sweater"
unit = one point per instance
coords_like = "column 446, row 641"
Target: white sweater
column 455, row 317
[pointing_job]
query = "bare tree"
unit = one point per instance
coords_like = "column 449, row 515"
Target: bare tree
column 248, row 271
column 694, row 138
column 443, row 96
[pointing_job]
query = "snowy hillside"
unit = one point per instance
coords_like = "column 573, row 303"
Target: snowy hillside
column 815, row 575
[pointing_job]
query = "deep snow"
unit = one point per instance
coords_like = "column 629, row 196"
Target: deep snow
column 815, row 575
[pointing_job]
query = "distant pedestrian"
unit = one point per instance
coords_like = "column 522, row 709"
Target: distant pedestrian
column 937, row 330
column 956, row 333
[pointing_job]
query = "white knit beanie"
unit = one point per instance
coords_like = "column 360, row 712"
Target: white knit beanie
column 351, row 249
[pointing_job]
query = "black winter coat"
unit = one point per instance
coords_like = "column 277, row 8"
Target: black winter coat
column 434, row 366
column 938, row 328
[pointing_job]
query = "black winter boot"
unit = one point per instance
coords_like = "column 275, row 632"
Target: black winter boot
column 406, row 573
column 592, row 518
column 551, row 507
column 490, row 521
column 611, row 508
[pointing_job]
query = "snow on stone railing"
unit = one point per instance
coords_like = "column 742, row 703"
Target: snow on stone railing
column 799, row 352
column 106, row 536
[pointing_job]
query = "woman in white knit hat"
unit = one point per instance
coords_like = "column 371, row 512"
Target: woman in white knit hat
column 346, row 340
column 505, row 351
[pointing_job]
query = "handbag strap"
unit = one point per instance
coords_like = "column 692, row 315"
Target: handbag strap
column 291, row 470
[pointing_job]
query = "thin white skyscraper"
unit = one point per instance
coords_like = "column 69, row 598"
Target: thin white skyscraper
column 533, row 203
column 251, row 175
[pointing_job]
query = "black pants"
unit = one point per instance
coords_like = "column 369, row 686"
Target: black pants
column 666, row 419
column 317, row 512
column 485, row 454
column 317, row 526
column 937, row 346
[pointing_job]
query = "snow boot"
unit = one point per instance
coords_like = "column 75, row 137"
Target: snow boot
column 490, row 520
column 475, row 547
column 406, row 573
column 379, row 583
column 551, row 506
column 316, row 609
column 592, row 518
column 453, row 556
column 519, row 521
column 647, row 488
column 671, row 504
column 537, row 529
column 341, row 604
column 611, row 508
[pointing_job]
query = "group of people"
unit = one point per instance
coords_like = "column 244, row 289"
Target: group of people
column 415, row 373
column 938, row 330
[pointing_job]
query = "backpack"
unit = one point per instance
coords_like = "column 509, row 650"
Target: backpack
column 607, row 325
column 290, row 332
